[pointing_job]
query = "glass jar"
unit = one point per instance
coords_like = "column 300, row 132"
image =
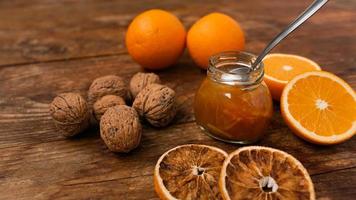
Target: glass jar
column 233, row 104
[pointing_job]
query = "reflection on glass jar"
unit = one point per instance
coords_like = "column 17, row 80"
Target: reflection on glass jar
column 233, row 104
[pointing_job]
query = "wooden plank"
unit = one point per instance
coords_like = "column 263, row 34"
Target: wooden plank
column 37, row 161
column 39, row 31
column 69, row 43
column 29, row 141
column 26, row 123
column 77, row 75
column 52, row 30
column 339, row 184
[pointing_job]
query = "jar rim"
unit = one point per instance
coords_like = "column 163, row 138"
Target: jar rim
column 235, row 68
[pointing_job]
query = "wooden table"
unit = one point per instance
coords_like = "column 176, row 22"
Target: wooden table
column 49, row 47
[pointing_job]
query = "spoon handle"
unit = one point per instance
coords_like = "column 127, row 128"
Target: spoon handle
column 313, row 8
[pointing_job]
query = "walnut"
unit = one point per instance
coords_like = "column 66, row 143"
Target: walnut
column 141, row 80
column 106, row 102
column 70, row 113
column 156, row 103
column 120, row 128
column 105, row 85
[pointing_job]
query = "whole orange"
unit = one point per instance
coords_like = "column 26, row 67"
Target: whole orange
column 155, row 39
column 212, row 34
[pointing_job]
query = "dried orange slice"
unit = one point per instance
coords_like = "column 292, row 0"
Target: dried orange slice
column 281, row 68
column 189, row 172
column 262, row 173
column 320, row 107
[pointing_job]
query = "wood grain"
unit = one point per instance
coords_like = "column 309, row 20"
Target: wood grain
column 31, row 144
column 49, row 47
column 55, row 30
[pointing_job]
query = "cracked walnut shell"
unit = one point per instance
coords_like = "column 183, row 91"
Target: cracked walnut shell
column 141, row 80
column 120, row 129
column 70, row 113
column 106, row 85
column 104, row 103
column 157, row 104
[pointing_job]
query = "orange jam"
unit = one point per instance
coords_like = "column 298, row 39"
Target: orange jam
column 233, row 104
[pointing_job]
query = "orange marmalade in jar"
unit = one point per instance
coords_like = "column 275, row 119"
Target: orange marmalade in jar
column 233, row 104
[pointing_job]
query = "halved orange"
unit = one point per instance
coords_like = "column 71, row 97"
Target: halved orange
column 189, row 172
column 281, row 68
column 320, row 108
column 263, row 173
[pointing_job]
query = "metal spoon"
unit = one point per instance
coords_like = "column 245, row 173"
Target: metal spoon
column 313, row 8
